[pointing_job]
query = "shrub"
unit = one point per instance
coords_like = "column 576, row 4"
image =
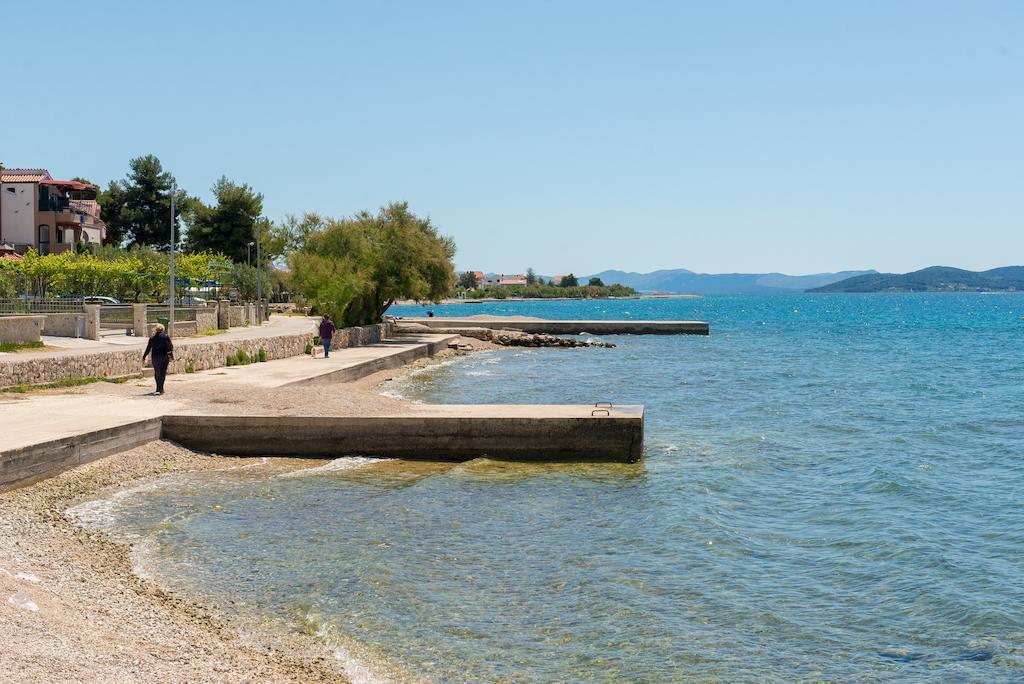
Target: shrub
column 243, row 358
column 309, row 348
column 261, row 355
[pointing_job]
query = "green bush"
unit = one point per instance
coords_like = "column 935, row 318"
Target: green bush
column 309, row 348
column 243, row 358
column 261, row 355
column 231, row 360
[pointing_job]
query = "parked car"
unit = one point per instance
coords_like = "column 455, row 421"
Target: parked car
column 91, row 299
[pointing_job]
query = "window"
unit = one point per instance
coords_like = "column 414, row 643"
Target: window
column 44, row 239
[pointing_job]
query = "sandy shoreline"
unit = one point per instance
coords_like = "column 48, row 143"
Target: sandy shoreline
column 74, row 610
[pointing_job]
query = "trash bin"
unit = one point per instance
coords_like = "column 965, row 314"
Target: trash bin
column 163, row 320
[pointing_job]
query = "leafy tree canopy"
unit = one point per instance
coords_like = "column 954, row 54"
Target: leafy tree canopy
column 355, row 268
column 468, row 280
column 569, row 281
column 531, row 277
column 595, row 282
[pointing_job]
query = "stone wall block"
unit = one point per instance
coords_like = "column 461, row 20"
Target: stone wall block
column 92, row 321
column 139, row 326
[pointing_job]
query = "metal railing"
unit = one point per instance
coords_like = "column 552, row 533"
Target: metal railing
column 154, row 312
column 116, row 317
column 16, row 306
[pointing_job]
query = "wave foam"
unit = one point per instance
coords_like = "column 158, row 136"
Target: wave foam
column 338, row 464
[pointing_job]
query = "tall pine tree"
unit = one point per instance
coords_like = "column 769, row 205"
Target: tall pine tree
column 229, row 226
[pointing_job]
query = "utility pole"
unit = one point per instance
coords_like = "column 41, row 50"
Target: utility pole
column 259, row 274
column 170, row 313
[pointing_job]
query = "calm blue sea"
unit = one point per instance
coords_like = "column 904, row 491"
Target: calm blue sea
column 832, row 489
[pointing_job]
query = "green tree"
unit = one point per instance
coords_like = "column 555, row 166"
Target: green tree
column 137, row 209
column 295, row 229
column 354, row 269
column 569, row 281
column 531, row 277
column 468, row 280
column 243, row 279
column 230, row 225
column 595, row 282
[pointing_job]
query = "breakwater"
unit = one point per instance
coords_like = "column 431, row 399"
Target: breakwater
column 567, row 327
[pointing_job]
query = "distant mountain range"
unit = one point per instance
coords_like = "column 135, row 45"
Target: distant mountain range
column 683, row 281
column 932, row 279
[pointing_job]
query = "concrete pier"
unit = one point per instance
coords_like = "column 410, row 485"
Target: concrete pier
column 568, row 327
column 447, row 433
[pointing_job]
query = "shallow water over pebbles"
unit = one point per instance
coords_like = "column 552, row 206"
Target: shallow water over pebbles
column 832, row 489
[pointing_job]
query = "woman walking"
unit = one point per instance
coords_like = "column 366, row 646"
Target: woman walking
column 163, row 353
column 326, row 333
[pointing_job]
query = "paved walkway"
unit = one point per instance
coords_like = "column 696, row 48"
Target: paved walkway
column 34, row 419
column 342, row 365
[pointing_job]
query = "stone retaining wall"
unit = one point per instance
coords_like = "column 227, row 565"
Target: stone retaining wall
column 360, row 337
column 198, row 354
column 65, row 325
column 206, row 319
column 21, row 329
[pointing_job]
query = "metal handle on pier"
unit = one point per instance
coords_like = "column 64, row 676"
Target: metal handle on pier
column 604, row 403
column 596, row 411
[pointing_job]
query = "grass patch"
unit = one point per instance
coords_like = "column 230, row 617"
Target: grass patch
column 18, row 346
column 211, row 332
column 65, row 382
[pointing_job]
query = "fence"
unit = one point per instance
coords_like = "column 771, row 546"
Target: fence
column 19, row 306
column 154, row 312
column 116, row 317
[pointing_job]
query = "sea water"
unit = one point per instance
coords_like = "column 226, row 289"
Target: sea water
column 832, row 489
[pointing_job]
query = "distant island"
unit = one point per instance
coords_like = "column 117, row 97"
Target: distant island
column 933, row 279
column 681, row 280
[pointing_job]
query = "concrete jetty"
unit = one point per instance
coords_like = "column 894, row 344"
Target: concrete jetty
column 523, row 432
column 447, row 433
column 551, row 327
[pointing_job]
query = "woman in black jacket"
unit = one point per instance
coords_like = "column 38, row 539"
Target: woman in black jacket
column 163, row 353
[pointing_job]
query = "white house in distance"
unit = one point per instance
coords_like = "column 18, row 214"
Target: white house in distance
column 502, row 279
column 48, row 215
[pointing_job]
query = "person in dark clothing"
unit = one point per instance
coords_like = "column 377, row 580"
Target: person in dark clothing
column 162, row 348
column 326, row 333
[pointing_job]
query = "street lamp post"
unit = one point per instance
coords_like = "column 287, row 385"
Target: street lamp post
column 248, row 257
column 170, row 310
column 259, row 278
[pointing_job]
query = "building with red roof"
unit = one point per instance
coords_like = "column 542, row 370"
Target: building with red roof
column 48, row 215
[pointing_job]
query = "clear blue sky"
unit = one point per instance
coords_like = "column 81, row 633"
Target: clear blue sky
column 568, row 136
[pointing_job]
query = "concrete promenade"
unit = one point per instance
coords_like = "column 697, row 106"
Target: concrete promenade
column 37, row 419
column 46, row 433
column 551, row 327
column 343, row 365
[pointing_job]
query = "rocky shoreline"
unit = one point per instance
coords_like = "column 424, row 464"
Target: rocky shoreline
column 509, row 338
column 72, row 607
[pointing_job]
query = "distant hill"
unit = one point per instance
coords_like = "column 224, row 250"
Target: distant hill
column 933, row 279
column 683, row 281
